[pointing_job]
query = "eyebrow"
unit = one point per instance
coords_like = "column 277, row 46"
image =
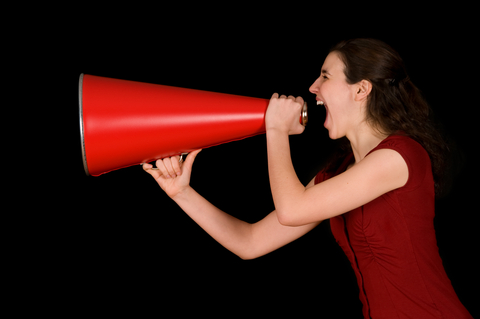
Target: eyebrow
column 325, row 72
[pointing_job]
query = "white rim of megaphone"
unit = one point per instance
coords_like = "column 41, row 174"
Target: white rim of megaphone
column 80, row 109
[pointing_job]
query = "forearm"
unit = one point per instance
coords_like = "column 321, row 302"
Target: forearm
column 230, row 232
column 285, row 186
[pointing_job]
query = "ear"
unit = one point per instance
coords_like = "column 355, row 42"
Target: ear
column 363, row 88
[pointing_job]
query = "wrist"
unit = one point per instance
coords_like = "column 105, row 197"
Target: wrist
column 276, row 131
column 182, row 195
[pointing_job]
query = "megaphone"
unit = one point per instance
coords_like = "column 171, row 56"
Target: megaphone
column 125, row 123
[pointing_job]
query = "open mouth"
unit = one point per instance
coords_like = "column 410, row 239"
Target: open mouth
column 319, row 102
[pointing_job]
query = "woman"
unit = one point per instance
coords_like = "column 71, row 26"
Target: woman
column 379, row 195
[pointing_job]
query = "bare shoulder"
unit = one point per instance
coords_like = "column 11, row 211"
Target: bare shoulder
column 384, row 167
column 378, row 173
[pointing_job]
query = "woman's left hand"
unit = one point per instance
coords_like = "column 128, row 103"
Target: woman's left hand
column 283, row 114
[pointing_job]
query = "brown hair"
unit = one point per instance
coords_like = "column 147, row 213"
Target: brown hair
column 395, row 105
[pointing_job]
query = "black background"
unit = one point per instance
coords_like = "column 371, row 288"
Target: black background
column 116, row 243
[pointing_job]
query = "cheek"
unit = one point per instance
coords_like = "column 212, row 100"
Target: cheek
column 337, row 94
column 331, row 95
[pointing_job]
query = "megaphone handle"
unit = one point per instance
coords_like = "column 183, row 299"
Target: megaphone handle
column 180, row 160
column 182, row 157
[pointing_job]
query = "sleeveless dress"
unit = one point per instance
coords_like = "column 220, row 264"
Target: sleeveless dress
column 392, row 247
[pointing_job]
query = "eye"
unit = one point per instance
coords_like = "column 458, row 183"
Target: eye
column 325, row 77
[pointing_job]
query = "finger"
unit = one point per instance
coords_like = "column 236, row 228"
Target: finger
column 274, row 96
column 283, row 96
column 172, row 165
column 152, row 171
column 291, row 97
column 165, row 167
column 300, row 100
column 175, row 161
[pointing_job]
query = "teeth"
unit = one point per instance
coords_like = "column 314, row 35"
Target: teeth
column 320, row 103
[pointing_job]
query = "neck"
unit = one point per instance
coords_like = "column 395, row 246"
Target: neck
column 364, row 139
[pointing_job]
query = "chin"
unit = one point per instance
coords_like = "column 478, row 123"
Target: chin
column 334, row 135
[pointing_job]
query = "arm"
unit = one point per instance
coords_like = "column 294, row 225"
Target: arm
column 246, row 240
column 377, row 174
column 380, row 172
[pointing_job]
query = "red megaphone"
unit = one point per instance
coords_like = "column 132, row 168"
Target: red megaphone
column 125, row 123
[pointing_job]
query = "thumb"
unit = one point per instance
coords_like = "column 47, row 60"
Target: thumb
column 187, row 165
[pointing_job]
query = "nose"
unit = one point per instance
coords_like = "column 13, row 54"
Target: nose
column 315, row 87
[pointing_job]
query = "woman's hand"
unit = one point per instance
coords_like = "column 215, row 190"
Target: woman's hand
column 283, row 114
column 172, row 176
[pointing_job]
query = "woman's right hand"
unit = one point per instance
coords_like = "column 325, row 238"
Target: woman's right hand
column 172, row 176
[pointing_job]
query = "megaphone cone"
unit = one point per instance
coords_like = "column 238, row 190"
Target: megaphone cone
column 125, row 123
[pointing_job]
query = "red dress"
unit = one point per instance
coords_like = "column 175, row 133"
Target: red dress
column 392, row 248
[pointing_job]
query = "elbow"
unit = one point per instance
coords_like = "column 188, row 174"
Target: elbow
column 252, row 251
column 245, row 257
column 246, row 251
column 294, row 218
column 287, row 219
column 248, row 255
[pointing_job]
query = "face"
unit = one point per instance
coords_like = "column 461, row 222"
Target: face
column 338, row 97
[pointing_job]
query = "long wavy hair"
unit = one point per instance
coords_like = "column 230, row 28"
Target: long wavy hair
column 395, row 105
